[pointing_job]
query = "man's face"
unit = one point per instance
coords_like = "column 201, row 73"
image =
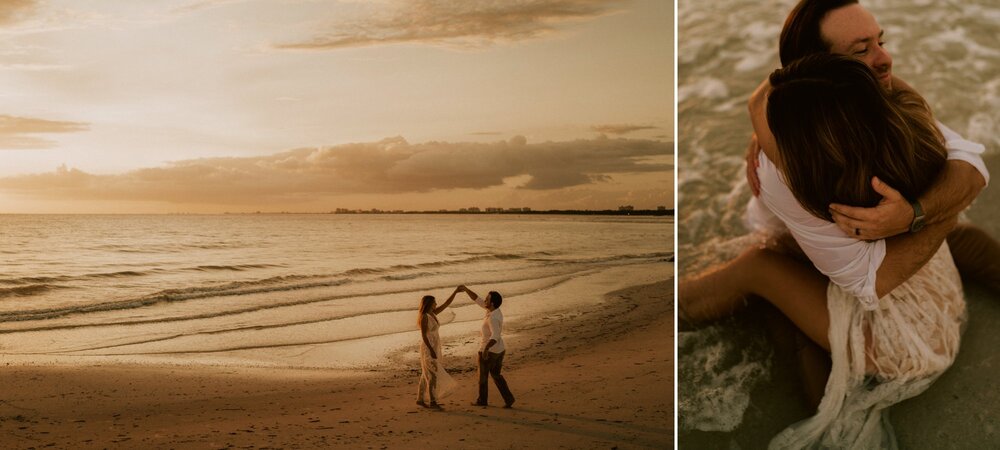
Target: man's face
column 488, row 301
column 852, row 31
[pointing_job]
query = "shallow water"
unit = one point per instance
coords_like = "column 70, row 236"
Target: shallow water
column 949, row 51
column 290, row 290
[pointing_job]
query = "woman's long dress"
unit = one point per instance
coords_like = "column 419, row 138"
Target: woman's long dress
column 433, row 375
column 882, row 357
column 883, row 350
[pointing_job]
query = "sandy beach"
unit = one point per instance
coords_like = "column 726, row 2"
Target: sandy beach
column 600, row 377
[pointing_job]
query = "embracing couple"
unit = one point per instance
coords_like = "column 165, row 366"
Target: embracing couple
column 434, row 379
column 873, row 286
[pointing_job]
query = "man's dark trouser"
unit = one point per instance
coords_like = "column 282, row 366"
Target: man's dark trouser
column 490, row 366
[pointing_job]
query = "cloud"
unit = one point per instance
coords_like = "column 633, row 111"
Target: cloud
column 621, row 129
column 471, row 23
column 205, row 4
column 12, row 11
column 17, row 132
column 390, row 166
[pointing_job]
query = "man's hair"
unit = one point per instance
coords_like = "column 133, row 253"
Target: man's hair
column 801, row 36
column 836, row 128
column 495, row 299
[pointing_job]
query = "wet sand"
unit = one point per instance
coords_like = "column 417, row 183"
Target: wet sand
column 601, row 377
column 957, row 411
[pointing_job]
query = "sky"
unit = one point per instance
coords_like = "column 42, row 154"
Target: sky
column 202, row 106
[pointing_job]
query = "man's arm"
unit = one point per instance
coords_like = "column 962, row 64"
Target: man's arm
column 954, row 190
column 472, row 295
column 462, row 288
column 907, row 253
column 494, row 334
column 958, row 184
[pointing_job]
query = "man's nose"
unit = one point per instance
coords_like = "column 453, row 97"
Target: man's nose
column 881, row 58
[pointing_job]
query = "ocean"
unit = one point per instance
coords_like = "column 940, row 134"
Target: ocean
column 294, row 291
column 949, row 51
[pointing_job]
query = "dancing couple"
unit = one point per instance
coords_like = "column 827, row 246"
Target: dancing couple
column 434, row 379
column 874, row 286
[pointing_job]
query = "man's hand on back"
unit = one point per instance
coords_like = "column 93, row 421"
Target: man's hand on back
column 890, row 217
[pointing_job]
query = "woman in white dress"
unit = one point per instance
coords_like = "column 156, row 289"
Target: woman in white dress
column 434, row 379
column 835, row 129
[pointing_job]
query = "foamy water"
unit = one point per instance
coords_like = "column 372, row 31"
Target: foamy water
column 949, row 51
column 336, row 291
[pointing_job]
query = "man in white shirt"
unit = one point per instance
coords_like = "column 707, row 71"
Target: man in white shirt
column 846, row 28
column 912, row 229
column 491, row 350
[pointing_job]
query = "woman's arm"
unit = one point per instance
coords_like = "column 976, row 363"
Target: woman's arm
column 423, row 335
column 446, row 303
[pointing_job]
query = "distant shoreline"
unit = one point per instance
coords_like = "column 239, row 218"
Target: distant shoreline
column 644, row 212
column 607, row 212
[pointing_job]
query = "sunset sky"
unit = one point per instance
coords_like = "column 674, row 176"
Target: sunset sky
column 309, row 105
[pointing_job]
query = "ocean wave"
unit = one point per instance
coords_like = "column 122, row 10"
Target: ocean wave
column 407, row 276
column 28, row 290
column 662, row 256
column 244, row 328
column 120, row 274
column 20, row 281
column 232, row 268
column 175, row 295
column 149, row 248
column 287, row 283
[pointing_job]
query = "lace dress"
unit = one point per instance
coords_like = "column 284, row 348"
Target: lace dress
column 883, row 350
column 434, row 379
column 882, row 357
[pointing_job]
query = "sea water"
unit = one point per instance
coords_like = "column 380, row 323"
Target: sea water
column 949, row 51
column 321, row 290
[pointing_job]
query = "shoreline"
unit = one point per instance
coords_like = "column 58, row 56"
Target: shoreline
column 598, row 376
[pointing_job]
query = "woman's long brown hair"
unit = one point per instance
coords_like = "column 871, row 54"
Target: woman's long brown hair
column 425, row 304
column 836, row 128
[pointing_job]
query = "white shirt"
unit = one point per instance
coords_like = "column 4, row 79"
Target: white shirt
column 492, row 326
column 850, row 263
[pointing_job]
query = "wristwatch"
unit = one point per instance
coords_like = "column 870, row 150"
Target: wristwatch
column 918, row 216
